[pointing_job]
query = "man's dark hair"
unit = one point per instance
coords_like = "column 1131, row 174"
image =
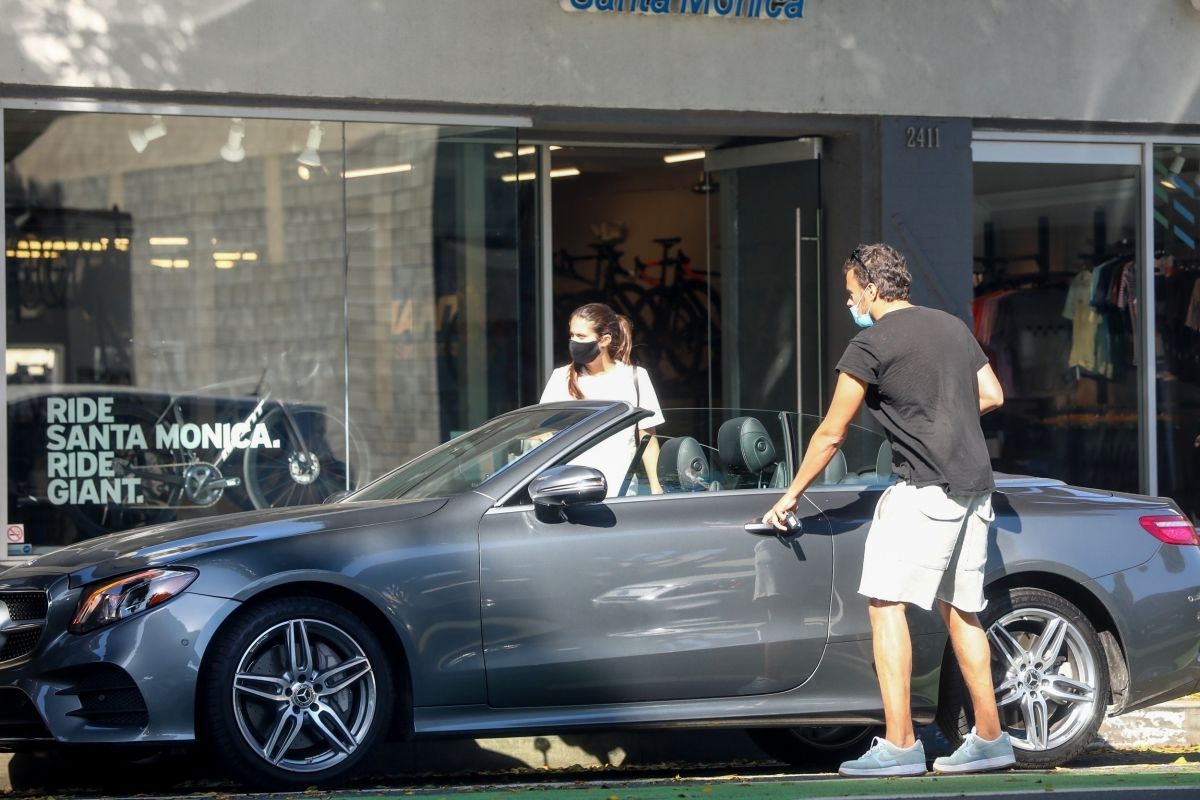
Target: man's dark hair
column 883, row 266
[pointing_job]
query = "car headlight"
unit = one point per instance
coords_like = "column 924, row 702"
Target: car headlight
column 112, row 601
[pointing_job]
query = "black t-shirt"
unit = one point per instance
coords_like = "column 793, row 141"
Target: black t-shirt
column 920, row 365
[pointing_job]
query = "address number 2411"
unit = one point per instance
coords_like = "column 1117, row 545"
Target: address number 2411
column 924, row 138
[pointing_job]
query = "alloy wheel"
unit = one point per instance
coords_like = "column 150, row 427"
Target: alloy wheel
column 304, row 695
column 1046, row 678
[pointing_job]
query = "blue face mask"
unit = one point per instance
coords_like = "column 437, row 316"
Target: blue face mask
column 862, row 320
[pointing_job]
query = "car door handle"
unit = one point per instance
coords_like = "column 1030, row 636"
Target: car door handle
column 794, row 526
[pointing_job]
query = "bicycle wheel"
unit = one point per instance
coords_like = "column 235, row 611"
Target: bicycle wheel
column 29, row 286
column 678, row 332
column 159, row 499
column 310, row 463
column 55, row 279
column 627, row 299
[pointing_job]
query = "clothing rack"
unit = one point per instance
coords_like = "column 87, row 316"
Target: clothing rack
column 1122, row 248
column 1029, row 280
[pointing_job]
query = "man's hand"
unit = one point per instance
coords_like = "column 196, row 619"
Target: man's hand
column 775, row 516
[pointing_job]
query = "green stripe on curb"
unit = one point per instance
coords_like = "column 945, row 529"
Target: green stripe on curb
column 823, row 788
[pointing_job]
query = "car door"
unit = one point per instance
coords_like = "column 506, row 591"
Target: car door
column 649, row 598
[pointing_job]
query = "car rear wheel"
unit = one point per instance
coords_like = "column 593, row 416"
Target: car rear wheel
column 1050, row 673
column 297, row 693
column 826, row 746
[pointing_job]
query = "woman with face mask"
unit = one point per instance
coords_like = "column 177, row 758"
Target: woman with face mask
column 601, row 368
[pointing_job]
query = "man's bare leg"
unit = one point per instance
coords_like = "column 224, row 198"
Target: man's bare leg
column 974, row 656
column 893, row 664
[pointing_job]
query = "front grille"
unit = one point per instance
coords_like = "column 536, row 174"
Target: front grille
column 18, row 644
column 25, row 606
column 108, row 697
column 18, row 717
column 21, row 609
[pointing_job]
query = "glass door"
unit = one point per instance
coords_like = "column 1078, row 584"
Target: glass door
column 765, row 251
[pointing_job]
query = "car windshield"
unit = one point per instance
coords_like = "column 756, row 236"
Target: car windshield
column 464, row 463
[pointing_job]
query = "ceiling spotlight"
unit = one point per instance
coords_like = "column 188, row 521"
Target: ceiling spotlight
column 155, row 130
column 304, row 172
column 1178, row 162
column 309, row 157
column 233, row 150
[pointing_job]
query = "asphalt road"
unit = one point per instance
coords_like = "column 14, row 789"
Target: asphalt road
column 1147, row 775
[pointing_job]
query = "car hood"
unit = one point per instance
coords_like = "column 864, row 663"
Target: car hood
column 122, row 552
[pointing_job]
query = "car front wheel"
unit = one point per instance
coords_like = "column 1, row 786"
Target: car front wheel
column 1050, row 674
column 297, row 693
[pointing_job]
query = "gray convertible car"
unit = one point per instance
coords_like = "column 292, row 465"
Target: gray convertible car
column 498, row 585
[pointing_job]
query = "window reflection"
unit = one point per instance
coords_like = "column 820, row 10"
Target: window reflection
column 190, row 277
column 1055, row 309
column 1177, row 323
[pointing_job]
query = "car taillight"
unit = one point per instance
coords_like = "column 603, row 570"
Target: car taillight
column 1172, row 529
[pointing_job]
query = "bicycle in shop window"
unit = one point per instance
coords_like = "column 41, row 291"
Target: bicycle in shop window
column 681, row 310
column 610, row 282
column 260, row 450
column 56, row 255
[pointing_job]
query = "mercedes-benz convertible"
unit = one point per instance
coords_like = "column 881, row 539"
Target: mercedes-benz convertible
column 498, row 585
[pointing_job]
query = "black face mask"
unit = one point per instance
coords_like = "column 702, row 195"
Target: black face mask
column 584, row 352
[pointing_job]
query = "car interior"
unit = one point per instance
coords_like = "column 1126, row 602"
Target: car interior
column 746, row 457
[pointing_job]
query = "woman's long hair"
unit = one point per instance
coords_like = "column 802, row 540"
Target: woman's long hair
column 604, row 321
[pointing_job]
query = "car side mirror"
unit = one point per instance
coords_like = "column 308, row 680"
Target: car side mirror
column 559, row 487
column 336, row 497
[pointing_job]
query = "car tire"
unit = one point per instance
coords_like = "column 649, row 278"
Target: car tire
column 815, row 747
column 295, row 693
column 1052, row 692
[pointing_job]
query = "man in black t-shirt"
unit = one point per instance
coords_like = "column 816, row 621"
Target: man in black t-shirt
column 925, row 379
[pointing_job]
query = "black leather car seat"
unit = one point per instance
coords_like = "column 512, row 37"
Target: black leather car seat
column 749, row 456
column 683, row 467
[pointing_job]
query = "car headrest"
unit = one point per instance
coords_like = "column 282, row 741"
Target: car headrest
column 883, row 461
column 681, row 462
column 835, row 470
column 744, row 446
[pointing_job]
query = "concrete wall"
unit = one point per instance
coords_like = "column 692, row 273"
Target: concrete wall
column 1111, row 60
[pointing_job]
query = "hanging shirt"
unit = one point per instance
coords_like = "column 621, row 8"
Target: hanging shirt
column 613, row 455
column 1192, row 320
column 1127, row 286
column 1085, row 319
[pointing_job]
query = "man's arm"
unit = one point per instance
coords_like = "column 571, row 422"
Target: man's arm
column 848, row 397
column 991, row 395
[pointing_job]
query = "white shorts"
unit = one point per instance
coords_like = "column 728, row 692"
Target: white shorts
column 925, row 544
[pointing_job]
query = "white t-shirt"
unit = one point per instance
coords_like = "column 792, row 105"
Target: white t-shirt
column 613, row 455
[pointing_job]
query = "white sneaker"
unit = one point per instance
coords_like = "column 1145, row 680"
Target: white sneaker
column 884, row 759
column 978, row 755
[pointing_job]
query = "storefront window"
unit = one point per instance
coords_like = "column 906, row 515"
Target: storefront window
column 1055, row 308
column 208, row 315
column 1177, row 323
column 439, row 340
